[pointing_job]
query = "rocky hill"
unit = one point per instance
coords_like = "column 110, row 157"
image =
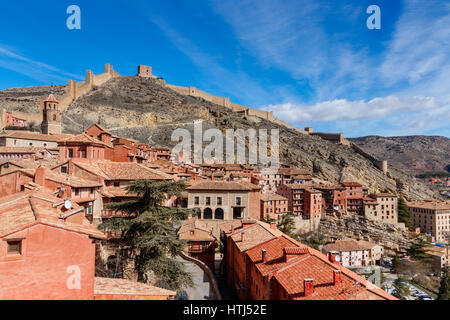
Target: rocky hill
column 411, row 154
column 142, row 109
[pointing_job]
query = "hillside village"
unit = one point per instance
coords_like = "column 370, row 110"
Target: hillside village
column 56, row 187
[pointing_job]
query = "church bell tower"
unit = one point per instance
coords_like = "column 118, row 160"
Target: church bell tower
column 51, row 116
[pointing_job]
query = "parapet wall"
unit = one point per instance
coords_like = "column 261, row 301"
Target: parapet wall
column 77, row 89
column 380, row 164
column 225, row 102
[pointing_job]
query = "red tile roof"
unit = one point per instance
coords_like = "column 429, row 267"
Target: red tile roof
column 122, row 170
column 274, row 254
column 303, row 263
column 272, row 197
column 351, row 184
column 35, row 136
column 343, row 245
column 82, row 138
column 223, row 186
column 24, row 209
column 111, row 286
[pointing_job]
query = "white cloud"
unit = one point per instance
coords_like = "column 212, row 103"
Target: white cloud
column 11, row 60
column 342, row 109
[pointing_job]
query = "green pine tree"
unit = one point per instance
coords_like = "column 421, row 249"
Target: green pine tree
column 444, row 289
column 149, row 235
column 403, row 213
column 286, row 224
column 417, row 250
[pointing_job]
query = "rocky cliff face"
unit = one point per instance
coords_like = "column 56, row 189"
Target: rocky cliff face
column 392, row 238
column 142, row 109
column 411, row 154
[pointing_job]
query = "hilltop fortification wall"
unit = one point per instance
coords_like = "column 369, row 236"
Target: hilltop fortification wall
column 380, row 164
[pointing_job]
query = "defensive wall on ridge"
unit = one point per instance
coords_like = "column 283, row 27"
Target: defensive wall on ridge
column 146, row 71
column 75, row 90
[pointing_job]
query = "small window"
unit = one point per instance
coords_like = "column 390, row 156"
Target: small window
column 116, row 184
column 70, row 153
column 15, row 247
column 63, row 169
column 238, row 201
column 196, row 200
column 219, row 201
column 208, row 200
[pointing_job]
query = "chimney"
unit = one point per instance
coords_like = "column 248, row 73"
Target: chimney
column 264, row 255
column 242, row 236
column 232, row 229
column 337, row 277
column 332, row 256
column 308, row 287
column 273, row 226
column 39, row 176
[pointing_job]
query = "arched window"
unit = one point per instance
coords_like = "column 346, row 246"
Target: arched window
column 207, row 213
column 218, row 214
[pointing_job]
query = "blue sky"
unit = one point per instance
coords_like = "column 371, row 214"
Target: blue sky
column 313, row 63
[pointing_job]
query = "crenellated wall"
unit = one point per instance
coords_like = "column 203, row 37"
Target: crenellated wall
column 74, row 90
column 77, row 89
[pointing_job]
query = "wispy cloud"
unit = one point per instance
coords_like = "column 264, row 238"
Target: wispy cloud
column 219, row 77
column 406, row 79
column 11, row 60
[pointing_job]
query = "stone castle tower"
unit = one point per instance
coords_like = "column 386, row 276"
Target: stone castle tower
column 51, row 116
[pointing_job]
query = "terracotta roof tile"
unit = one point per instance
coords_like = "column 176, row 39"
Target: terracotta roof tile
column 343, row 245
column 127, row 287
column 222, row 185
column 26, row 208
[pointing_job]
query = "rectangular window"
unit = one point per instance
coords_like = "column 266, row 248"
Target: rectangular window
column 219, row 201
column 70, row 153
column 116, row 184
column 63, row 169
column 196, row 200
column 208, row 201
column 14, row 247
column 77, row 192
column 238, row 201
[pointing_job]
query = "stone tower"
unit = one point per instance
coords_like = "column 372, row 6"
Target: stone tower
column 51, row 116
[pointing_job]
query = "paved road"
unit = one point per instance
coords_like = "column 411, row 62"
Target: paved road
column 202, row 289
